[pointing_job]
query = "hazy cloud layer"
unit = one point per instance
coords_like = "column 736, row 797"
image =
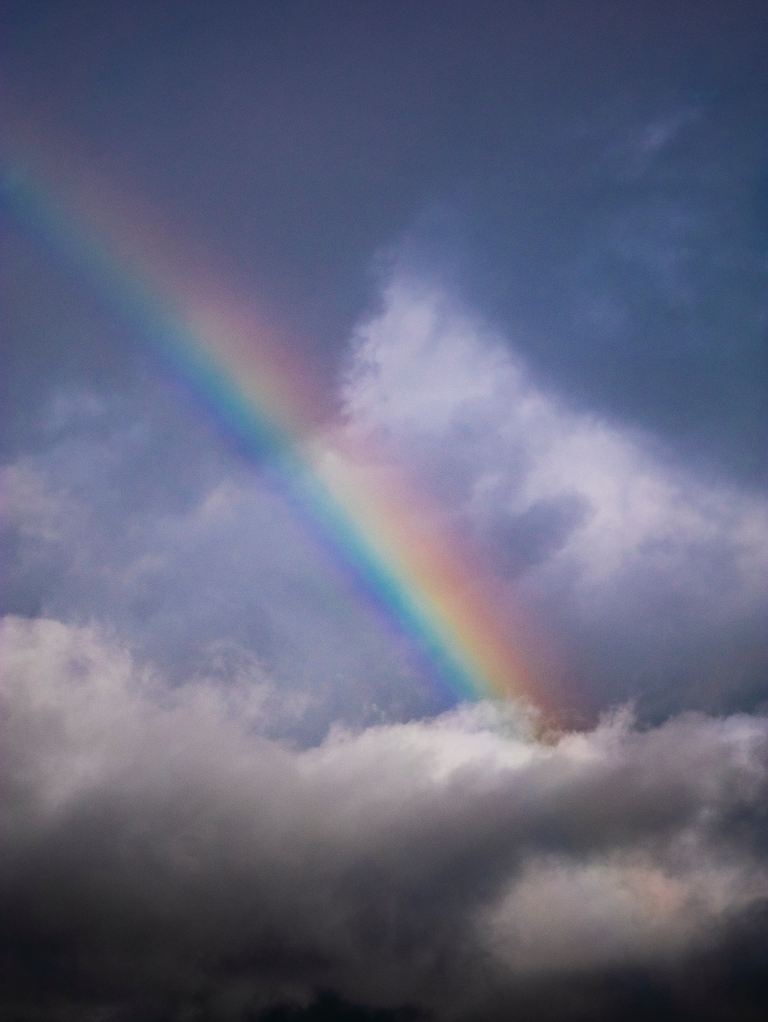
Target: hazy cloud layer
column 646, row 579
column 227, row 580
column 162, row 856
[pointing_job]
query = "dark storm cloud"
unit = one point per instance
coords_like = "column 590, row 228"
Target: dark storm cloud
column 161, row 856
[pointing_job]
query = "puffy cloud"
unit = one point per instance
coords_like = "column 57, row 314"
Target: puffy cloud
column 163, row 855
column 597, row 524
column 425, row 370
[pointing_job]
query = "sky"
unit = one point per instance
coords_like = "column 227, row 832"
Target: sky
column 384, row 511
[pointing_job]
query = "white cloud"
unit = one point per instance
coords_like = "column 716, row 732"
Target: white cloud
column 449, row 394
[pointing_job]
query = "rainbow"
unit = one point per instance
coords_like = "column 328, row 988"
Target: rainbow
column 377, row 526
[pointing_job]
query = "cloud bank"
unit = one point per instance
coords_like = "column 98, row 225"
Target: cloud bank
column 164, row 858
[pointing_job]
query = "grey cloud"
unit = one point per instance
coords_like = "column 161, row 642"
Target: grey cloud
column 521, row 541
column 162, row 854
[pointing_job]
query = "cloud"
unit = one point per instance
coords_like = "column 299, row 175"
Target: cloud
column 214, row 805
column 163, row 855
column 226, row 569
column 646, row 580
column 597, row 523
column 425, row 370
